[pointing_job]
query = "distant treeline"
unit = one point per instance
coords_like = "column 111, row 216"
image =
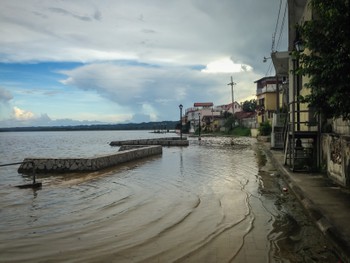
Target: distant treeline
column 156, row 126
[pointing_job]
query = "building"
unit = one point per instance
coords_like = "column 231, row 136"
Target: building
column 306, row 145
column 267, row 89
column 195, row 114
column 297, row 129
column 209, row 117
column 246, row 119
column 228, row 107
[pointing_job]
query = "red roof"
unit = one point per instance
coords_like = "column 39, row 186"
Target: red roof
column 243, row 115
column 203, row 104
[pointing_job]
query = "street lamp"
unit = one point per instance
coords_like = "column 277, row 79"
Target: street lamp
column 299, row 46
column 265, row 59
column 180, row 106
column 199, row 128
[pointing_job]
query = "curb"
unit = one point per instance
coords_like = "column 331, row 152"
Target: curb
column 323, row 224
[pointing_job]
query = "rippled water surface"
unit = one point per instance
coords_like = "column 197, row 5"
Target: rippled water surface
column 192, row 204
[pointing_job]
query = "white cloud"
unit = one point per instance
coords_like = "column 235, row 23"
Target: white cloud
column 131, row 84
column 156, row 91
column 144, row 57
column 226, row 65
column 108, row 118
column 22, row 114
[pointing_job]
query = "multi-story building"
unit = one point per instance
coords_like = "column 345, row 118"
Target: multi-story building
column 267, row 98
column 207, row 116
column 301, row 139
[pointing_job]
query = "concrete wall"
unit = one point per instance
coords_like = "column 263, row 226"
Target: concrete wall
column 340, row 126
column 51, row 165
column 170, row 141
column 335, row 153
column 254, row 132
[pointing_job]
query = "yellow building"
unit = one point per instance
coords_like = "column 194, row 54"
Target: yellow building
column 267, row 99
column 301, row 139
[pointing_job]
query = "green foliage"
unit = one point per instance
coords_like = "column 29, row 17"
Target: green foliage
column 265, row 128
column 327, row 37
column 241, row 131
column 230, row 121
column 249, row 105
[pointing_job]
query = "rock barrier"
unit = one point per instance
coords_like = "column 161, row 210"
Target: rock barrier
column 67, row 165
column 167, row 141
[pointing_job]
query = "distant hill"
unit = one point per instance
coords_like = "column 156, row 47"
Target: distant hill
column 164, row 125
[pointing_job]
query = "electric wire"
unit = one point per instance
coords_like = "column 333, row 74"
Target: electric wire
column 282, row 25
column 277, row 22
column 275, row 45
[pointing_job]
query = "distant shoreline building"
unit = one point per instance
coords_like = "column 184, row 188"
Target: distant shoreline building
column 210, row 117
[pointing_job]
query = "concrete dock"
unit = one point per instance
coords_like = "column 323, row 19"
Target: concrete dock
column 166, row 141
column 67, row 165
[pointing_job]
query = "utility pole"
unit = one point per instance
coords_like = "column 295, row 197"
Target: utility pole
column 231, row 84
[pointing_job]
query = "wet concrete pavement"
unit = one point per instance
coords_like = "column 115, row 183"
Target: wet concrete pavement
column 325, row 202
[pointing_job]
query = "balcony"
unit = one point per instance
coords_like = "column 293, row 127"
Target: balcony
column 268, row 88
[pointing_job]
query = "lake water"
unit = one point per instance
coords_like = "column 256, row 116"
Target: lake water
column 201, row 203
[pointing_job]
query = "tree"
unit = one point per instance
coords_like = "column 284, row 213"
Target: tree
column 327, row 61
column 249, row 105
column 230, row 122
column 265, row 128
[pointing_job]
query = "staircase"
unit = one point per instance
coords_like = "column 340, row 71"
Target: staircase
column 301, row 141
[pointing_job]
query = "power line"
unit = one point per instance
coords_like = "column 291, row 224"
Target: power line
column 282, row 25
column 269, row 69
column 274, row 34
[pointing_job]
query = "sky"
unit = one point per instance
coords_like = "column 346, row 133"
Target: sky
column 119, row 61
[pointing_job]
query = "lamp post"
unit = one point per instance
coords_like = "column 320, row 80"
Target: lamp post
column 199, row 128
column 265, row 59
column 180, row 106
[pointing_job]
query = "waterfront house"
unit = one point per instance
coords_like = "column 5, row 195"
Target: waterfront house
column 305, row 147
column 210, row 117
column 267, row 94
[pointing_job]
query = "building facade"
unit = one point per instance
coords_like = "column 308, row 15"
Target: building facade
column 207, row 116
column 267, row 95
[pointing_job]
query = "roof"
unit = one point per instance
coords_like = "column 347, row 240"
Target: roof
column 272, row 78
column 244, row 115
column 203, row 104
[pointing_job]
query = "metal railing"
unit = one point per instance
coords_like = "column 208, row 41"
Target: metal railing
column 16, row 163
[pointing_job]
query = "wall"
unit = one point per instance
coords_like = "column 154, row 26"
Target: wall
column 50, row 165
column 254, row 132
column 170, row 141
column 335, row 153
column 270, row 101
column 269, row 106
column 341, row 127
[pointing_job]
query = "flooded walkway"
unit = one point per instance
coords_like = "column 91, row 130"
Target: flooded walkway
column 214, row 201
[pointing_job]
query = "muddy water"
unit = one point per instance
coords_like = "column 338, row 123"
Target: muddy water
column 204, row 203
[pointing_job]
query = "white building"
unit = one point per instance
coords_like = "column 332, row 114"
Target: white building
column 205, row 112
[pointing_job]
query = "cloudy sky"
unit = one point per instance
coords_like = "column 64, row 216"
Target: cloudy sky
column 114, row 61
